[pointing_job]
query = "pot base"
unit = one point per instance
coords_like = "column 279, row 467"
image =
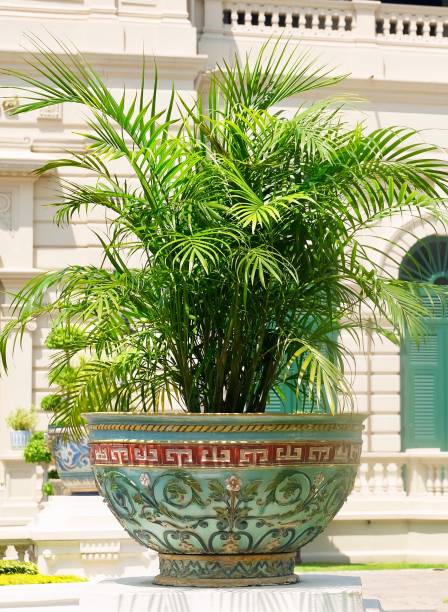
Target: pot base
column 216, row 571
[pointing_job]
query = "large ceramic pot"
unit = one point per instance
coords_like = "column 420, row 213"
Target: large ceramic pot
column 72, row 462
column 225, row 499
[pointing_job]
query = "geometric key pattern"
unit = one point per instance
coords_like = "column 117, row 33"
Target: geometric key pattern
column 222, row 455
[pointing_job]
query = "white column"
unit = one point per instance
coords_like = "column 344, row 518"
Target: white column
column 17, row 479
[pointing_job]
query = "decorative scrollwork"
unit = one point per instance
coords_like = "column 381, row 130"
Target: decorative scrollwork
column 254, row 512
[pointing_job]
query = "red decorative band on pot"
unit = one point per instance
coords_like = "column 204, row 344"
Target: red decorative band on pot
column 222, row 455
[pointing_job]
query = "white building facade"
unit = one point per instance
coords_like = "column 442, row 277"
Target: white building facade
column 396, row 56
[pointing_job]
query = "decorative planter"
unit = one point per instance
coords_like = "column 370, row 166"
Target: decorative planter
column 72, row 462
column 20, row 438
column 225, row 499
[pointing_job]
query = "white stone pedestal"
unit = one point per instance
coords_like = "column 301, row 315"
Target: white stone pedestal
column 314, row 593
column 79, row 535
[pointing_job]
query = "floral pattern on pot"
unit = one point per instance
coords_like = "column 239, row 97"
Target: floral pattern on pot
column 72, row 462
column 266, row 511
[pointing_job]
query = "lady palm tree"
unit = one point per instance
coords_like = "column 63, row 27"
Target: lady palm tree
column 248, row 226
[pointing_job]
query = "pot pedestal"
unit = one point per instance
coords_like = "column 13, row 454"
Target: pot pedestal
column 313, row 593
column 217, row 571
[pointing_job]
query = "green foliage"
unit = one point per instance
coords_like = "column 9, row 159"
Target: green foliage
column 37, row 450
column 17, row 567
column 22, row 419
column 51, row 402
column 249, row 227
column 47, row 488
column 53, row 474
column 64, row 337
column 38, row 579
column 63, row 375
column 359, row 567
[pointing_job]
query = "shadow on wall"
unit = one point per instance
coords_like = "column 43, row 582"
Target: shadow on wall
column 323, row 550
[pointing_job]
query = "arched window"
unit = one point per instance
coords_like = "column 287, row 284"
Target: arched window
column 424, row 365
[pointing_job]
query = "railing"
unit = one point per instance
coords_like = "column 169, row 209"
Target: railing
column 23, row 549
column 328, row 18
column 342, row 19
column 402, row 474
column 416, row 23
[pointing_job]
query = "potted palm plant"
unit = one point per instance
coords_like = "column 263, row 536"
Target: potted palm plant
column 248, row 225
column 71, row 455
column 22, row 422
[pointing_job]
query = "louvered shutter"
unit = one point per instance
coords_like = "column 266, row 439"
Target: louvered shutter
column 291, row 403
column 424, row 372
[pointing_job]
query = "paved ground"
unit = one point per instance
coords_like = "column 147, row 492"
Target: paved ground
column 406, row 590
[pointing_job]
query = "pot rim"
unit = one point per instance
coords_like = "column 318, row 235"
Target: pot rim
column 178, row 414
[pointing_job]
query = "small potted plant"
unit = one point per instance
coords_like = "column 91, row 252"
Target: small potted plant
column 22, row 422
column 249, row 226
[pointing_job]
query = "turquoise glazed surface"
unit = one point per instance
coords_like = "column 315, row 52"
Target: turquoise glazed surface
column 238, row 485
column 72, row 462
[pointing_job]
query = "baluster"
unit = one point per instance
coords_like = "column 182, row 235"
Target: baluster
column 335, row 21
column 288, row 23
column 234, row 17
column 364, row 488
column 268, row 10
column 314, row 21
column 444, row 470
column 400, row 480
column 430, row 479
column 434, row 26
column 348, row 20
column 357, row 484
column 425, row 31
column 302, row 20
column 378, row 478
column 394, row 487
column 405, row 25
column 328, row 24
column 275, row 19
column 21, row 549
column 413, row 26
column 437, row 480
column 392, row 23
column 248, row 19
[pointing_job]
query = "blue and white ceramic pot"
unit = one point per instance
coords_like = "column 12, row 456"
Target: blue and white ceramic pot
column 20, row 438
column 226, row 499
column 72, row 462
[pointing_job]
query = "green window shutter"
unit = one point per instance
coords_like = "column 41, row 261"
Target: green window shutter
column 282, row 405
column 290, row 402
column 423, row 369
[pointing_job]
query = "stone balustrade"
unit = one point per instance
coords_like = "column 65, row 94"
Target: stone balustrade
column 328, row 19
column 412, row 23
column 417, row 472
column 22, row 549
